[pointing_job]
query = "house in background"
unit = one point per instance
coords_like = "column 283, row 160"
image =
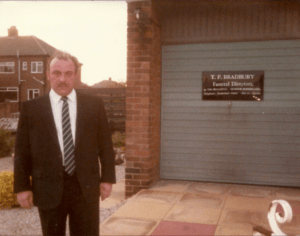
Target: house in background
column 23, row 64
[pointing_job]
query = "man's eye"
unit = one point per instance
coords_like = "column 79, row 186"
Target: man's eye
column 69, row 73
column 56, row 73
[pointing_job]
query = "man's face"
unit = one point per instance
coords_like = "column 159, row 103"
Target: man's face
column 62, row 76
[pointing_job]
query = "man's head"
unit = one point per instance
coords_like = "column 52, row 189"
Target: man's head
column 62, row 72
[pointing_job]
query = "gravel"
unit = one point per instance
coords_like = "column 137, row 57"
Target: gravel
column 19, row 221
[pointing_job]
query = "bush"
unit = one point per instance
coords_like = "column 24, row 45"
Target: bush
column 118, row 139
column 7, row 196
column 6, row 143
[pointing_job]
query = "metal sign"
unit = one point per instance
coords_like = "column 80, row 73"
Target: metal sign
column 233, row 85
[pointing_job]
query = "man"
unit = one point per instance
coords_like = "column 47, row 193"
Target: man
column 59, row 141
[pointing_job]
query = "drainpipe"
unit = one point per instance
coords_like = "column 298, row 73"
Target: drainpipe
column 19, row 79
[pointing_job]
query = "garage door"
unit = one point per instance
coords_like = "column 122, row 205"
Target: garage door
column 254, row 142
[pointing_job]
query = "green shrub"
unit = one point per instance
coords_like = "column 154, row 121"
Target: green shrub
column 6, row 143
column 7, row 196
column 118, row 139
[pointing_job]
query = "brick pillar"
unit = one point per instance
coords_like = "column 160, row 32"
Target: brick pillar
column 143, row 97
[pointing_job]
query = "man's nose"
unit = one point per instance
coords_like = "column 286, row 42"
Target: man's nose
column 62, row 78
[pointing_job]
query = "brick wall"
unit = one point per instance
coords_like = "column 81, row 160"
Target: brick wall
column 143, row 97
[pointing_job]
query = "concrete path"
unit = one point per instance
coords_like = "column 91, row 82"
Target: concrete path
column 196, row 208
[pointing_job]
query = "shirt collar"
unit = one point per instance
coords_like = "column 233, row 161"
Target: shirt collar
column 56, row 98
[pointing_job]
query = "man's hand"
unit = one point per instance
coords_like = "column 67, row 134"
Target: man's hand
column 25, row 199
column 105, row 190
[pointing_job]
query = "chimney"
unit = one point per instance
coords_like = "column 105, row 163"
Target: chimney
column 12, row 31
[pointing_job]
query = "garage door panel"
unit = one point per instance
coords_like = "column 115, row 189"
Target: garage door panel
column 235, row 125
column 262, row 117
column 231, row 168
column 242, row 178
column 246, row 142
column 274, row 52
column 235, row 110
column 246, row 158
column 267, row 96
column 292, row 59
column 224, row 66
column 286, row 156
column 224, row 131
column 282, row 139
column 197, row 103
column 262, row 45
column 231, row 145
column 236, row 176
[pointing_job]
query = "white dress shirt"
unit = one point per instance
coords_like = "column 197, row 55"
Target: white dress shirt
column 56, row 104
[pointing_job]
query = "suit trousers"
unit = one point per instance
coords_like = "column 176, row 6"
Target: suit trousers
column 83, row 217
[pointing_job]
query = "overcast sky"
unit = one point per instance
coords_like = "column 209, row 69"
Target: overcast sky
column 93, row 31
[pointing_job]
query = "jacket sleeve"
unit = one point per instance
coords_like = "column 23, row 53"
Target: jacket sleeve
column 22, row 159
column 105, row 147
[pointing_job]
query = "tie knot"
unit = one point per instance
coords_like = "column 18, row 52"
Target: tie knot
column 64, row 99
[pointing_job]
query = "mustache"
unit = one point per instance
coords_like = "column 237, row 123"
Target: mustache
column 62, row 85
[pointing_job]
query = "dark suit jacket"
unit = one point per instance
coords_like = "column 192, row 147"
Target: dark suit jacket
column 38, row 154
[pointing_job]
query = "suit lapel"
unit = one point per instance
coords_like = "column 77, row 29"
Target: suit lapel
column 80, row 117
column 47, row 115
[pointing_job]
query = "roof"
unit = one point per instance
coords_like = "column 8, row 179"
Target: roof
column 108, row 84
column 26, row 45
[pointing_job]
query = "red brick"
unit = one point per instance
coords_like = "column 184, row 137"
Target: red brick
column 133, row 182
column 128, row 188
column 129, row 176
column 142, row 177
column 133, row 159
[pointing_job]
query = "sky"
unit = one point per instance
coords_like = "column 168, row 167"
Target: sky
column 93, row 31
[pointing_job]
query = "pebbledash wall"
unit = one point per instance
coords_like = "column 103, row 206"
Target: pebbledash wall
column 171, row 132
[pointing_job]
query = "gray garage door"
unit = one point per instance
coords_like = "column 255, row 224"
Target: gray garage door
column 249, row 142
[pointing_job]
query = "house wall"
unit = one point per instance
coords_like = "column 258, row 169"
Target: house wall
column 12, row 79
column 228, row 21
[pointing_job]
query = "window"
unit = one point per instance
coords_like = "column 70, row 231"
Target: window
column 24, row 65
column 33, row 93
column 7, row 67
column 8, row 94
column 36, row 67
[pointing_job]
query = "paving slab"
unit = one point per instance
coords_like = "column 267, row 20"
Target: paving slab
column 210, row 200
column 143, row 210
column 194, row 214
column 248, row 203
column 202, row 187
column 287, row 194
column 127, row 226
column 182, row 228
column 252, row 191
column 234, row 231
column 157, row 197
column 170, row 186
column 243, row 218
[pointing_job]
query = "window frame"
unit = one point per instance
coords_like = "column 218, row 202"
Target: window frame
column 37, row 66
column 6, row 64
column 34, row 91
column 24, row 65
column 12, row 89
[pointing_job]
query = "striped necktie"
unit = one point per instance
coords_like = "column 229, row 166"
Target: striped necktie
column 69, row 160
